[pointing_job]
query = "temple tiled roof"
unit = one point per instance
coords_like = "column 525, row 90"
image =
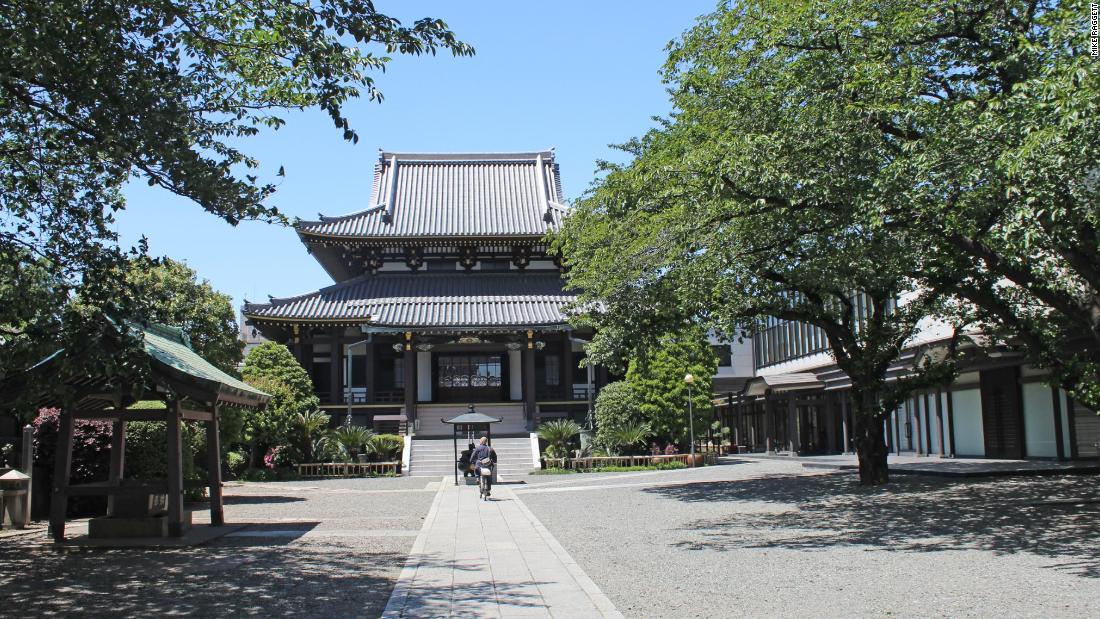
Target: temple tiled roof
column 429, row 300
column 454, row 195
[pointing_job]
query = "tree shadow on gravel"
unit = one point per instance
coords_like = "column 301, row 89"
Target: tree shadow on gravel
column 228, row 578
column 1052, row 517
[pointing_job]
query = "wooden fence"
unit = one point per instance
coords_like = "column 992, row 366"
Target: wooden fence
column 605, row 461
column 348, row 469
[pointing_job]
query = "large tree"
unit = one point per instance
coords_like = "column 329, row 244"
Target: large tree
column 761, row 196
column 170, row 293
column 990, row 113
column 96, row 94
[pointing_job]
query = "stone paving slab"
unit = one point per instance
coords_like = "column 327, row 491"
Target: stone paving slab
column 937, row 466
column 491, row 559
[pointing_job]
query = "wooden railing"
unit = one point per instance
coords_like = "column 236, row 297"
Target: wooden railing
column 605, row 461
column 347, row 469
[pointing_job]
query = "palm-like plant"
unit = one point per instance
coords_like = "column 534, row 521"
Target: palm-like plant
column 310, row 425
column 353, row 440
column 630, row 435
column 558, row 435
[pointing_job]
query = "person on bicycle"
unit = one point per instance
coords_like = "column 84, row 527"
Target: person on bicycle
column 482, row 451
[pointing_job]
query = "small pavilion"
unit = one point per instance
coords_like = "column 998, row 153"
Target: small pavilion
column 192, row 390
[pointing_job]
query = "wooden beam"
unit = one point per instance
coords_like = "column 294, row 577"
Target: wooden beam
column 193, row 415
column 116, row 415
column 175, row 471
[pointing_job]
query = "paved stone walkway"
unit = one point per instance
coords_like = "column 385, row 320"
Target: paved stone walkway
column 491, row 559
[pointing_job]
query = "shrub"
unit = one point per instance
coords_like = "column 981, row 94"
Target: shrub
column 559, row 435
column 388, row 447
column 271, row 367
column 353, row 440
column 629, row 436
column 236, row 462
column 616, row 406
column 657, row 377
column 91, row 459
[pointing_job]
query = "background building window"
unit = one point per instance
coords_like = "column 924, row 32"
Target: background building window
column 552, row 370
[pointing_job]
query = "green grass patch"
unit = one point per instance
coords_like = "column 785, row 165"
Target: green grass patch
column 554, row 471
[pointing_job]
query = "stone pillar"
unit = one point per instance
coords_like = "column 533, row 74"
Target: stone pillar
column 28, row 469
column 939, row 422
column 844, row 414
column 831, row 423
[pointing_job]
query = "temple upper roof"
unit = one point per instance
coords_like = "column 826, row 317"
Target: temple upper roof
column 453, row 195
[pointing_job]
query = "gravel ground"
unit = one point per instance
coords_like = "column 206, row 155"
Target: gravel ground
column 765, row 538
column 331, row 548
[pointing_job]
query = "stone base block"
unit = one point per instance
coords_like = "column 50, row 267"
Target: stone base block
column 112, row 527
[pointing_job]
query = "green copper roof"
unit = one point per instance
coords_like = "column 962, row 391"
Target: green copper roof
column 171, row 347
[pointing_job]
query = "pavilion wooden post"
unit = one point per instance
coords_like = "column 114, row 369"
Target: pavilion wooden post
column 63, row 459
column 175, row 468
column 118, row 460
column 214, row 470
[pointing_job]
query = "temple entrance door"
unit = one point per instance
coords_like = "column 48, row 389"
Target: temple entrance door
column 470, row 377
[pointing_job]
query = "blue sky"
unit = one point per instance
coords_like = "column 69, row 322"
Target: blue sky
column 573, row 75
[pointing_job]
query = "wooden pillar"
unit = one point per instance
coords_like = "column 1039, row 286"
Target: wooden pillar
column 831, row 423
column 951, row 420
column 63, row 460
column 794, row 440
column 117, row 467
column 736, row 414
column 927, row 424
column 568, row 366
column 844, row 414
column 916, row 423
column 336, row 369
column 370, row 364
column 897, row 431
column 769, row 423
column 175, row 469
column 297, row 345
column 214, row 470
column 1059, row 440
column 529, row 402
column 1071, row 419
column 939, row 421
column 410, row 379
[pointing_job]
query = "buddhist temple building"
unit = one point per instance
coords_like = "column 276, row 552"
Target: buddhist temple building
column 443, row 295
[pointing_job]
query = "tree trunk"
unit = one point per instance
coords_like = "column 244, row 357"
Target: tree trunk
column 870, row 441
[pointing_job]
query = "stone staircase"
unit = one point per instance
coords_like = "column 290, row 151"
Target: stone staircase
column 435, row 457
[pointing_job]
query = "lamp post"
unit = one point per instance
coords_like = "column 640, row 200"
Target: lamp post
column 347, row 366
column 690, row 380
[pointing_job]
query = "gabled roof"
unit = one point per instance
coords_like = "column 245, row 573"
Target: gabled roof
column 446, row 300
column 453, row 195
column 174, row 365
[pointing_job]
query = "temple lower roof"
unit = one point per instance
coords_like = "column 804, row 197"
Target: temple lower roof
column 429, row 300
